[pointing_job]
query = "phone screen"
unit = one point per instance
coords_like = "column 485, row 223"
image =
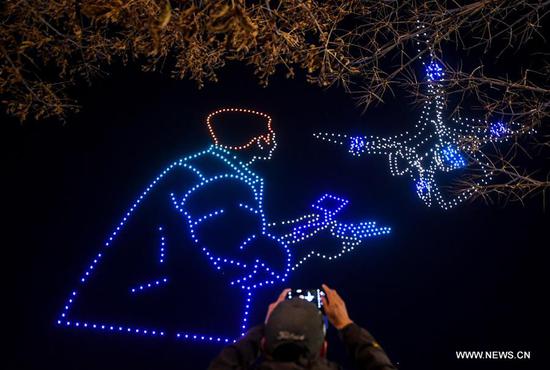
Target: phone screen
column 310, row 295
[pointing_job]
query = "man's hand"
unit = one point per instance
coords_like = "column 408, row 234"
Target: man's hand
column 272, row 306
column 335, row 308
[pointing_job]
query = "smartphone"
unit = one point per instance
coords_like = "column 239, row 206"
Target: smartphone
column 310, row 295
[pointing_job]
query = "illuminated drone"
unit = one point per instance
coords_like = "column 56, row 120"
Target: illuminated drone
column 434, row 146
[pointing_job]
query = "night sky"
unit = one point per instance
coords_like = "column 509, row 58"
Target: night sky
column 471, row 278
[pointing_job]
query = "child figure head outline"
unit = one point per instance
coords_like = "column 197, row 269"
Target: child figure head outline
column 260, row 146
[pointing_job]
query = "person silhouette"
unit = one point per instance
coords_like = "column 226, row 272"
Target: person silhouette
column 198, row 229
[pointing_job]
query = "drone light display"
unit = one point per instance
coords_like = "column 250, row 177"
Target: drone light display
column 211, row 203
column 433, row 146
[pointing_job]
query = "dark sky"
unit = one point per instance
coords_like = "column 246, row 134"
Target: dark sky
column 472, row 278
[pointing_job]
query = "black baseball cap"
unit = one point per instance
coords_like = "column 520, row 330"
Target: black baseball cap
column 294, row 329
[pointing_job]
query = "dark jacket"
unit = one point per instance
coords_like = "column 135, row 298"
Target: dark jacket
column 245, row 354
